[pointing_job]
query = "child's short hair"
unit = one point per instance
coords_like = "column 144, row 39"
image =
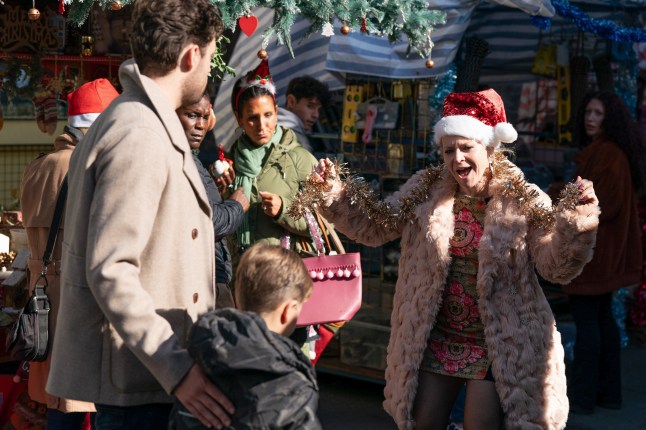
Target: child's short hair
column 267, row 275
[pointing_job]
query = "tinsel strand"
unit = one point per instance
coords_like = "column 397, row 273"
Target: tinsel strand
column 393, row 215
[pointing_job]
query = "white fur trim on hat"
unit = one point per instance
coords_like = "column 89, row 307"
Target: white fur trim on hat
column 505, row 132
column 471, row 128
column 82, row 120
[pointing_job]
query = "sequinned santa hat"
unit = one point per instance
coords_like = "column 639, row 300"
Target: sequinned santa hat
column 477, row 115
column 260, row 76
column 90, row 99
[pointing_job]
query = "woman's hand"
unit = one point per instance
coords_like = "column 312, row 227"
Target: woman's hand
column 271, row 204
column 587, row 195
column 324, row 171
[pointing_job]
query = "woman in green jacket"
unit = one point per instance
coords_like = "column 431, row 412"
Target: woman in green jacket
column 268, row 163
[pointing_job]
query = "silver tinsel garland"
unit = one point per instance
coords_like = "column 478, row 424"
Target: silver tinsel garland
column 393, row 215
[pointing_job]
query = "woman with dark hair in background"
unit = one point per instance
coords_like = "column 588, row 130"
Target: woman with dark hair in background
column 613, row 159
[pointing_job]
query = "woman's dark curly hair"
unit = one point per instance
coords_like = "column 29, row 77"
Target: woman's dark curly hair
column 240, row 98
column 620, row 128
column 162, row 28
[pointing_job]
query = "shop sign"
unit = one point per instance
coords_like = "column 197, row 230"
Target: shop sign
column 19, row 34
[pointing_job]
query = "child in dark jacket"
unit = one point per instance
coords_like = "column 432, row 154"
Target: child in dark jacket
column 246, row 352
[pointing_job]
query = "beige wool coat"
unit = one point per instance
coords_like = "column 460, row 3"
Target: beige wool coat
column 520, row 331
column 138, row 254
column 38, row 194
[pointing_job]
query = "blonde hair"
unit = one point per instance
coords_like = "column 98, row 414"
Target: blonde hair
column 267, row 275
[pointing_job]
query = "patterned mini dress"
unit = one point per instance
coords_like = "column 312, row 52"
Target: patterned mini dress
column 456, row 345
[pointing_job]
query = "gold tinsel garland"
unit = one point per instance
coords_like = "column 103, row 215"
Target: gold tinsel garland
column 392, row 216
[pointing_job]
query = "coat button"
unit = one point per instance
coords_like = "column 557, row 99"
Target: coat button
column 194, row 234
column 195, row 297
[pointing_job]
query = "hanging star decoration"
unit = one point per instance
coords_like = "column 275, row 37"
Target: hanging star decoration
column 392, row 215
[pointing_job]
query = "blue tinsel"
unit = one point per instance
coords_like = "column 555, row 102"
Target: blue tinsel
column 541, row 22
column 444, row 87
column 601, row 27
column 619, row 313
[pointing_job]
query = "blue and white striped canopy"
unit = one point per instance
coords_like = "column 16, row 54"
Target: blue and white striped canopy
column 504, row 24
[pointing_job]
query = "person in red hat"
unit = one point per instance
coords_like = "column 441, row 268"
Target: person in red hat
column 468, row 307
column 38, row 192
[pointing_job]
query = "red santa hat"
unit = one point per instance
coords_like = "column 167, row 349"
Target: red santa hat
column 479, row 116
column 260, row 76
column 90, row 99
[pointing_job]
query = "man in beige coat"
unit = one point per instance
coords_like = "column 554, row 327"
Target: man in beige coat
column 38, row 194
column 138, row 254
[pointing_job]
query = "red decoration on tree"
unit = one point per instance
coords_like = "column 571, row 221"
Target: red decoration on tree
column 248, row 24
column 61, row 7
column 364, row 28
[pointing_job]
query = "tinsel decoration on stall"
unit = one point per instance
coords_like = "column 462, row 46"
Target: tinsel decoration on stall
column 410, row 18
column 392, row 215
column 445, row 86
column 618, row 308
column 601, row 27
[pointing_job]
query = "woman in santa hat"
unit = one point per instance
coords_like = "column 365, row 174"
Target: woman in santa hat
column 468, row 307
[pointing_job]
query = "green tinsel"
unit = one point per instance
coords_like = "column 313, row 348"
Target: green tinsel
column 390, row 18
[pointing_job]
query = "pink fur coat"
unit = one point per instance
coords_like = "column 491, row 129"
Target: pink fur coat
column 524, row 345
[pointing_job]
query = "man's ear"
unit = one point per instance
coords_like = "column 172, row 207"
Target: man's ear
column 190, row 57
column 290, row 101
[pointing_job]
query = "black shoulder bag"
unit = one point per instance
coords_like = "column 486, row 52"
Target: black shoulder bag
column 29, row 335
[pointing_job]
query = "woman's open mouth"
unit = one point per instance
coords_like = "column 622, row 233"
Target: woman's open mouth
column 463, row 172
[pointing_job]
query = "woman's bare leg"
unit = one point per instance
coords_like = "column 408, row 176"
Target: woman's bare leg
column 434, row 400
column 482, row 410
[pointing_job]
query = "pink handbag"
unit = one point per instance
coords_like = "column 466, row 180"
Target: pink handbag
column 336, row 296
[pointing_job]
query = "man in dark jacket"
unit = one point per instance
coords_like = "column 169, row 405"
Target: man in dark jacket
column 247, row 354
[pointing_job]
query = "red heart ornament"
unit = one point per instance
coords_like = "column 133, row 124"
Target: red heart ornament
column 248, row 24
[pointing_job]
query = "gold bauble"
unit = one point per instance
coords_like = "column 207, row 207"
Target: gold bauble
column 345, row 29
column 116, row 5
column 33, row 14
column 430, row 63
column 262, row 54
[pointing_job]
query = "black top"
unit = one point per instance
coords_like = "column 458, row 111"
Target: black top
column 227, row 217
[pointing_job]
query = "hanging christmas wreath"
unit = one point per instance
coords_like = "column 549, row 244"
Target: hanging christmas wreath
column 21, row 79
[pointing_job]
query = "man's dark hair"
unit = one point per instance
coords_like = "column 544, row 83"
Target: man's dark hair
column 162, row 28
column 308, row 87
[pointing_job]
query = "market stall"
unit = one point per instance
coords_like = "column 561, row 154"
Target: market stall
column 482, row 44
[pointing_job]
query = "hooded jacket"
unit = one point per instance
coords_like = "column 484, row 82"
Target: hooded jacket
column 266, row 376
column 519, row 327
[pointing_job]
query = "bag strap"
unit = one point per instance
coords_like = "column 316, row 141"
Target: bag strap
column 315, row 233
column 334, row 237
column 323, row 230
column 56, row 222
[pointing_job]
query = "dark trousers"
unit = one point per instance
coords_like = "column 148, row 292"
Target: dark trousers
column 152, row 416
column 596, row 370
column 57, row 420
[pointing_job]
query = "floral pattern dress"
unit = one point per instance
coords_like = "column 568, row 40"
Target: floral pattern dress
column 456, row 345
